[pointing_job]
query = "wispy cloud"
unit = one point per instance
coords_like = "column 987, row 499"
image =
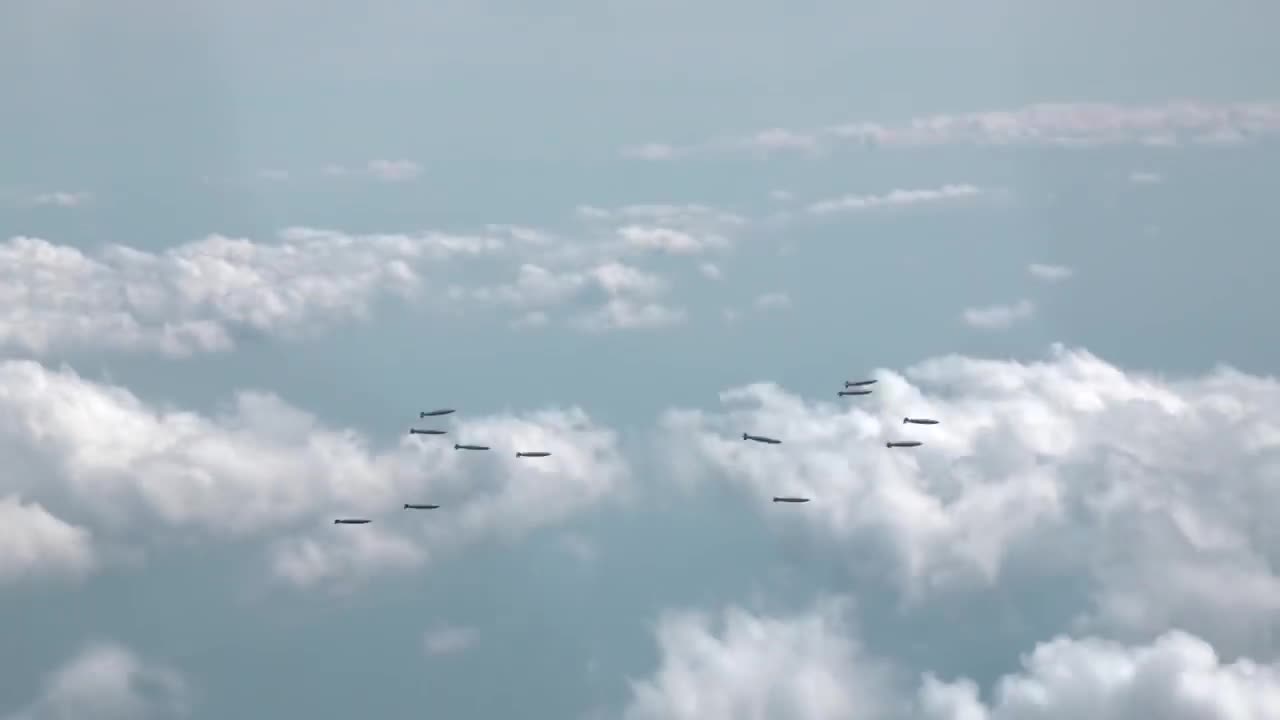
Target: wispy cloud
column 384, row 170
column 999, row 317
column 1142, row 177
column 448, row 640
column 60, row 199
column 773, row 301
column 1064, row 124
column 631, row 296
column 197, row 296
column 893, row 198
column 1050, row 273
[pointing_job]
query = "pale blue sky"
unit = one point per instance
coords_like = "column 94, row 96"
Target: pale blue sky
column 168, row 114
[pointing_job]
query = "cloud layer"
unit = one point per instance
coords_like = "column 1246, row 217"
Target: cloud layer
column 263, row 469
column 811, row 666
column 1150, row 491
column 1052, row 124
column 109, row 681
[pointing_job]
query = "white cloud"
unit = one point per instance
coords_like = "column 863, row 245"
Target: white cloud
column 811, row 666
column 773, row 301
column 273, row 175
column 196, row 297
column 782, row 139
column 1176, row 676
column 629, row 296
column 449, row 640
column 580, row 547
column 626, row 314
column 62, row 199
column 999, row 317
column 34, row 542
column 1139, row 177
column 674, row 242
column 711, row 271
column 681, row 230
column 805, row 667
column 1053, row 124
column 1050, row 273
column 650, row 151
column 204, row 296
column 261, row 468
column 1151, row 493
column 384, row 170
column 394, row 170
column 107, row 681
column 894, row 199
column 344, row 557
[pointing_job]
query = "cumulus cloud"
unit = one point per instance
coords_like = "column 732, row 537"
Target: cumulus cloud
column 624, row 296
column 449, row 640
column 34, row 542
column 811, row 666
column 1046, row 124
column 196, row 297
column 261, row 468
column 627, row 314
column 711, row 271
column 1176, row 676
column 804, row 667
column 1049, row 273
column 108, row 681
column 346, row 554
column 1149, row 493
column 999, row 317
column 674, row 242
column 893, row 199
column 681, row 230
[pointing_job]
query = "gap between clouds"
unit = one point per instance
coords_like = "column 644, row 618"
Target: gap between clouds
column 1005, row 316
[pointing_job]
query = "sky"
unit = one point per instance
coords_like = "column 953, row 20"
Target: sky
column 244, row 244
